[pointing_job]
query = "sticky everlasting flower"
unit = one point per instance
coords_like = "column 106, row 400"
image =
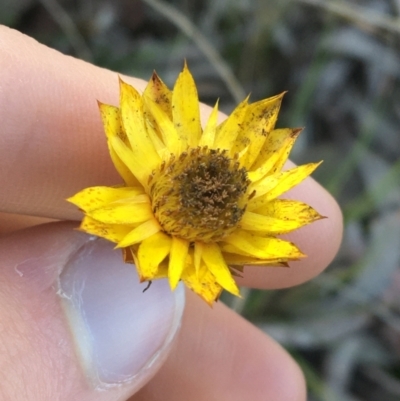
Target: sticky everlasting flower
column 197, row 204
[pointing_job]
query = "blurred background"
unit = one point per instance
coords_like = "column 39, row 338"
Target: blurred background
column 340, row 62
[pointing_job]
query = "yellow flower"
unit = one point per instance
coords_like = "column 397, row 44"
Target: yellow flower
column 197, row 204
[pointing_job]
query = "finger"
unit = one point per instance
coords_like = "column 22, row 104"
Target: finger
column 220, row 356
column 13, row 222
column 61, row 139
column 52, row 140
column 75, row 324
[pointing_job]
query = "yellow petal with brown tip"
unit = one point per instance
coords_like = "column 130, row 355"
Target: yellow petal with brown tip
column 278, row 142
column 290, row 210
column 268, row 225
column 238, row 260
column 112, row 126
column 259, row 120
column 132, row 118
column 158, row 92
column 263, row 247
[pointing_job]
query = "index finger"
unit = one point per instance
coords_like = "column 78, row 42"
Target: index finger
column 52, row 141
column 52, row 145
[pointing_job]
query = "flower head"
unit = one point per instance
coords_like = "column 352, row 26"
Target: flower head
column 197, row 204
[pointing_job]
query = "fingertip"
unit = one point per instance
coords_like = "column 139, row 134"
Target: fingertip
column 290, row 383
column 321, row 240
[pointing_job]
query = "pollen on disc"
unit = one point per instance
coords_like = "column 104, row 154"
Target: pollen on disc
column 200, row 196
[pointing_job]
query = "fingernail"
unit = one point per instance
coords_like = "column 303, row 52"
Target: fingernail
column 121, row 333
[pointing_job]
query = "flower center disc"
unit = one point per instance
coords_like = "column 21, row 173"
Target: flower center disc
column 200, row 196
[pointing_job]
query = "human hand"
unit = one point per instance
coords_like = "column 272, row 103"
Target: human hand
column 74, row 323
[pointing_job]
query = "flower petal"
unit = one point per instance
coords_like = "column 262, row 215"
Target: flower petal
column 136, row 210
column 228, row 131
column 95, row 197
column 185, row 109
column 263, row 247
column 262, row 187
column 111, row 232
column 265, row 168
column 136, row 165
column 166, row 127
column 152, row 251
column 286, row 180
column 290, row 210
column 177, row 260
column 159, row 145
column 112, row 126
column 259, row 120
column 235, row 256
column 140, row 233
column 159, row 93
column 268, row 225
column 234, row 259
column 202, row 283
column 215, row 262
column 132, row 119
column 279, row 141
column 111, row 118
column 208, row 135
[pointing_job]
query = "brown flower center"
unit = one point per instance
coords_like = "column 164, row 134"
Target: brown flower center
column 201, row 196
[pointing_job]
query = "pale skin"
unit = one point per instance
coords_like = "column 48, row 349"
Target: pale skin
column 51, row 146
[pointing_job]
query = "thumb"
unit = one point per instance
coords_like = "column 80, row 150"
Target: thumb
column 74, row 319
